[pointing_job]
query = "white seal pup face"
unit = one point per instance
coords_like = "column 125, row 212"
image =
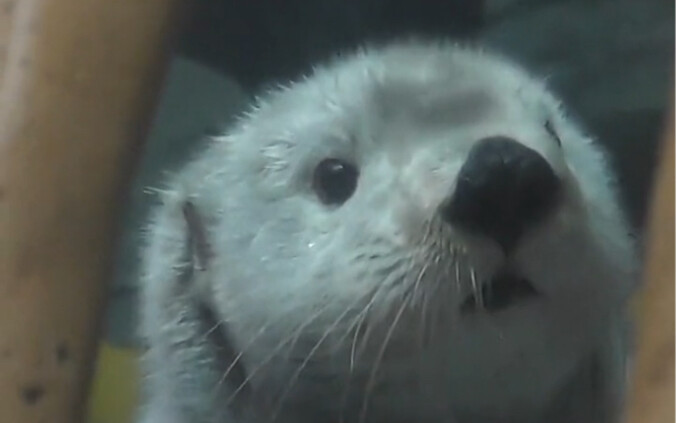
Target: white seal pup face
column 413, row 233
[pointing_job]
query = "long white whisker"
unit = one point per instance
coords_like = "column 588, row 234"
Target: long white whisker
column 458, row 269
column 249, row 343
column 274, row 352
column 317, row 345
column 477, row 291
column 359, row 320
column 372, row 378
column 212, row 329
column 237, row 358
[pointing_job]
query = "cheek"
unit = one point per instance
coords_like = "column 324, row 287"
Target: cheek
column 568, row 264
column 334, row 268
column 257, row 240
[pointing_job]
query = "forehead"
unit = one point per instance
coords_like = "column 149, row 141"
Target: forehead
column 428, row 86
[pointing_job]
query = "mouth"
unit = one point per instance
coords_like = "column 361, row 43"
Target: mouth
column 506, row 289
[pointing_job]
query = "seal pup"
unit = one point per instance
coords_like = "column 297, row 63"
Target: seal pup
column 414, row 232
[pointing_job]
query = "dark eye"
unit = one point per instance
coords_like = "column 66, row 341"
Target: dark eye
column 334, row 181
column 552, row 133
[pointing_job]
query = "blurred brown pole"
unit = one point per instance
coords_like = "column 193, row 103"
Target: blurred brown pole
column 6, row 14
column 78, row 88
column 652, row 397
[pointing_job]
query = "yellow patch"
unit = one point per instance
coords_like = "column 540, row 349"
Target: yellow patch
column 115, row 386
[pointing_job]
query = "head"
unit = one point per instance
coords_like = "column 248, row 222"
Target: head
column 416, row 212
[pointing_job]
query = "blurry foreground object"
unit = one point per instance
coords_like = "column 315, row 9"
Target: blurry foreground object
column 652, row 397
column 78, row 89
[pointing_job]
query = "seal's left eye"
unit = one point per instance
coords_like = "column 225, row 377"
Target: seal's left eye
column 334, row 181
column 551, row 131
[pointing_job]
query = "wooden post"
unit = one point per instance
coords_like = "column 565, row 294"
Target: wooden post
column 78, row 89
column 7, row 8
column 652, row 398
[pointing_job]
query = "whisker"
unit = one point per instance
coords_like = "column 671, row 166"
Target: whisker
column 365, row 338
column 423, row 301
column 250, row 342
column 362, row 318
column 359, row 320
column 413, row 289
column 435, row 289
column 422, row 321
column 317, row 345
column 212, row 329
column 372, row 378
column 458, row 269
column 273, row 353
column 477, row 292
column 239, row 355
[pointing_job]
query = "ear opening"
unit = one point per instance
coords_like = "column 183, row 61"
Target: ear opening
column 214, row 329
column 198, row 253
column 198, row 245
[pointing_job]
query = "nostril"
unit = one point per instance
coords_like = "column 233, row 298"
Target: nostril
column 503, row 188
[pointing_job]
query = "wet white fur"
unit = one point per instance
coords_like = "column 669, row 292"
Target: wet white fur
column 288, row 268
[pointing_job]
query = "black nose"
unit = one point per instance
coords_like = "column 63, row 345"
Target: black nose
column 503, row 188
